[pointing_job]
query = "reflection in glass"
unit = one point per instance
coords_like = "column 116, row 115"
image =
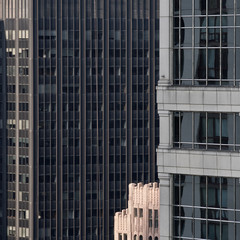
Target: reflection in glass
column 213, row 192
column 227, row 6
column 227, row 197
column 186, row 190
column 213, row 129
column 214, row 7
column 200, row 7
column 213, row 211
column 237, row 37
column 217, row 130
column 200, row 22
column 201, row 134
column 176, row 7
column 213, row 37
column 227, row 230
column 227, row 129
column 176, row 128
column 214, row 230
column 213, row 65
column 200, row 229
column 227, row 65
column 237, row 68
column 186, row 129
column 187, row 21
column 238, row 6
column 176, row 227
column 227, row 21
column 187, row 41
column 200, row 64
column 237, row 130
column 214, row 21
column 186, row 228
column 186, row 7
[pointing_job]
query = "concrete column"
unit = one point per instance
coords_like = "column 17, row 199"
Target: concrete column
column 165, row 187
column 166, row 43
column 165, row 128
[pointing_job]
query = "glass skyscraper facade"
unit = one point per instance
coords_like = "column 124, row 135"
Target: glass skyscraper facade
column 198, row 154
column 78, row 118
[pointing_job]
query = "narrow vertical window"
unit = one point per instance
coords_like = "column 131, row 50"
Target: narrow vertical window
column 155, row 218
column 150, row 218
column 135, row 212
column 140, row 212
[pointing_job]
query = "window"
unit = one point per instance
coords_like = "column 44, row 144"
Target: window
column 214, row 200
column 23, row 124
column 23, row 106
column 11, row 159
column 140, row 212
column 150, row 218
column 11, row 106
column 155, row 218
column 23, row 178
column 23, row 214
column 216, row 64
column 11, row 230
column 206, row 130
column 11, row 123
column 135, row 212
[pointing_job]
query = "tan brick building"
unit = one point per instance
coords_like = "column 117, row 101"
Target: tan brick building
column 141, row 219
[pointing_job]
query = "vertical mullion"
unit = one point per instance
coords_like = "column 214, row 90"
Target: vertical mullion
column 234, row 45
column 206, row 120
column 192, row 130
column 179, row 131
column 206, row 70
column 220, row 50
column 220, row 131
column 193, row 39
column 179, row 44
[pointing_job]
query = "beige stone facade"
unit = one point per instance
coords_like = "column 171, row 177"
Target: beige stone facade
column 141, row 219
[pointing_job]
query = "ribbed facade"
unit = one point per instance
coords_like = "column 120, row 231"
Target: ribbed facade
column 16, row 120
column 80, row 111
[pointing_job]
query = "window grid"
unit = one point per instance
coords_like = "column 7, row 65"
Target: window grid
column 206, row 207
column 209, row 131
column 205, row 41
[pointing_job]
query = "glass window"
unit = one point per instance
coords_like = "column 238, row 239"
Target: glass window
column 140, row 212
column 215, row 199
column 186, row 129
column 205, row 130
column 150, row 218
column 155, row 218
column 135, row 212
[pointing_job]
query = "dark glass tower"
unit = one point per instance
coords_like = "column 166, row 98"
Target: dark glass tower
column 79, row 118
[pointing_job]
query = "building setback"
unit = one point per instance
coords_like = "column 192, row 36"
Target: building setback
column 78, row 119
column 198, row 105
column 141, row 219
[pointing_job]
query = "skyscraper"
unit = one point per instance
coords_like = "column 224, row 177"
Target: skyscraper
column 78, row 120
column 198, row 105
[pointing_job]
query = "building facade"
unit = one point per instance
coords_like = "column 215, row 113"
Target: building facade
column 140, row 220
column 198, row 105
column 78, row 120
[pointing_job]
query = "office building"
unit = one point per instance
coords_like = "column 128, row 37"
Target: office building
column 140, row 219
column 198, row 105
column 78, row 116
